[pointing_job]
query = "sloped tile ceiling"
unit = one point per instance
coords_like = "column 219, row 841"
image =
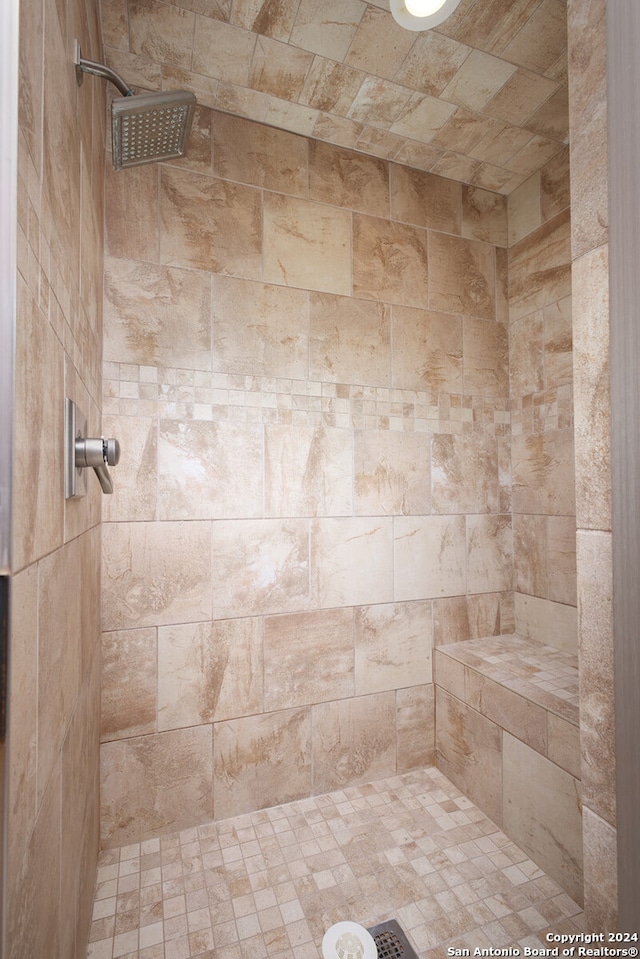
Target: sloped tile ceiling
column 481, row 99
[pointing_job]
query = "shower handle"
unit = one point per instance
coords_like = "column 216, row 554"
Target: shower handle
column 99, row 454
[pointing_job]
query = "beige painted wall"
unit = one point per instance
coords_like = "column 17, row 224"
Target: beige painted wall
column 53, row 807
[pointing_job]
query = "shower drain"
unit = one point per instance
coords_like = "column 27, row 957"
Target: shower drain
column 391, row 941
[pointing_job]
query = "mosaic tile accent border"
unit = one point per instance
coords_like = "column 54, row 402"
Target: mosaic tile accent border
column 198, row 395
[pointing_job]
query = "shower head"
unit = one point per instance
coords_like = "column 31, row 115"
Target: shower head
column 145, row 127
column 150, row 127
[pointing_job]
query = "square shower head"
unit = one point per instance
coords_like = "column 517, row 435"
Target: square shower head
column 149, row 127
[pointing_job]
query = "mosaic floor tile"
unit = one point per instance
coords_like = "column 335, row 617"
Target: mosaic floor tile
column 267, row 885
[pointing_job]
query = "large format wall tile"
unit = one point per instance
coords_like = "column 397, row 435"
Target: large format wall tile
column 259, row 329
column 351, row 180
column 157, row 315
column 351, row 561
column 393, row 646
column 461, row 276
column 129, row 683
column 389, row 261
column 194, row 212
column 136, row 801
column 155, row 574
column 489, row 553
column 469, row 752
column 542, row 811
column 209, row 470
column 308, row 658
column 391, row 473
column 209, row 672
column 260, row 156
column 354, row 741
column 261, row 761
column 349, row 340
column 306, row 245
column 464, row 474
column 260, row 567
column 543, row 473
column 308, row 471
column 430, row 558
column 427, row 351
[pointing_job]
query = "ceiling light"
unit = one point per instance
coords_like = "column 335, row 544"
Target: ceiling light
column 422, row 14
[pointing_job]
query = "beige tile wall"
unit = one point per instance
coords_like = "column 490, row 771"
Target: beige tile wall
column 541, row 386
column 590, row 234
column 306, row 361
column 53, row 788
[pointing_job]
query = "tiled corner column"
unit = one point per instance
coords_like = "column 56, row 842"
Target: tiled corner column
column 590, row 251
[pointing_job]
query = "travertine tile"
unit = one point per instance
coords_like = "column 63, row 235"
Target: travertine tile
column 478, row 80
column 391, row 473
column 380, row 44
column 469, row 752
column 155, row 574
column 563, row 744
column 542, row 621
column 425, row 200
column 135, row 482
column 592, row 401
column 246, row 777
column 308, row 471
column 484, row 216
column 160, row 31
column 489, row 553
column 389, row 261
column 526, row 355
column 600, row 871
column 461, row 276
column 131, row 221
column 354, row 741
column 222, row 50
column 520, row 716
column 259, row 155
column 351, row 561
column 558, row 343
column 278, row 69
column 348, row 179
column 421, row 117
column 393, row 645
column 330, row 87
column 209, row 672
column 261, row 16
column 135, row 800
column 157, row 315
column 306, row 244
column 597, row 699
column 540, row 267
column 260, row 566
column 209, row 470
column 194, row 213
column 328, row 28
column 272, row 340
column 349, row 340
column 522, row 94
column 128, row 683
column 485, row 357
column 23, row 692
column 460, row 618
column 542, row 39
column 427, row 351
column 561, row 533
column 543, row 473
column 542, row 810
column 308, row 658
column 524, row 209
column 531, row 550
column 432, row 62
column 464, row 473
column 429, row 557
column 415, row 728
column 38, row 503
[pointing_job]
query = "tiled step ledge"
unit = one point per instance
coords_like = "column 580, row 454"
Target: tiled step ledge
column 527, row 689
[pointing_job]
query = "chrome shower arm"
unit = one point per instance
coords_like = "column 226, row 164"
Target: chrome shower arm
column 99, row 70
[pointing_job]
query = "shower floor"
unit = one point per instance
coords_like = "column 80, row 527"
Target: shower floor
column 268, row 884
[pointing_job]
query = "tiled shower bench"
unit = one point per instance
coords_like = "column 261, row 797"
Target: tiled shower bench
column 507, row 735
